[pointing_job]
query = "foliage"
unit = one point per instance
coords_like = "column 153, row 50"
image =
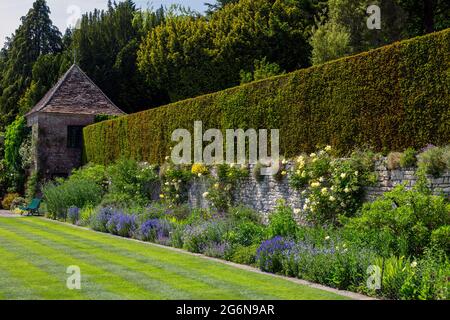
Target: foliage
column 440, row 238
column 221, row 188
column 35, row 36
column 262, row 69
column 8, row 200
column 333, row 188
column 402, row 221
column 301, row 107
column 32, row 185
column 408, row 158
column 329, row 41
column 435, row 161
column 174, row 182
column 270, row 253
column 245, row 255
column 191, row 55
column 202, row 235
column 15, row 135
column 281, row 222
column 61, row 195
column 73, row 215
column 121, row 224
column 130, row 183
column 106, row 44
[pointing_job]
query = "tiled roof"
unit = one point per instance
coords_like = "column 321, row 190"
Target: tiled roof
column 76, row 93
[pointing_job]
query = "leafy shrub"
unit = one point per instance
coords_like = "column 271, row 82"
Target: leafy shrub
column 402, row 220
column 332, row 187
column 8, row 200
column 17, row 203
column 440, row 238
column 61, row 195
column 335, row 264
column 433, row 161
column 246, row 233
column 243, row 213
column 73, row 215
column 408, row 158
column 86, row 215
column 281, row 222
column 244, row 255
column 174, row 180
column 427, row 278
column 131, row 183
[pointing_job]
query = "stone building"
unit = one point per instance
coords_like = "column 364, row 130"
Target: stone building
column 57, row 122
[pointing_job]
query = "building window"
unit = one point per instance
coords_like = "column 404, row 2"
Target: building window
column 74, row 137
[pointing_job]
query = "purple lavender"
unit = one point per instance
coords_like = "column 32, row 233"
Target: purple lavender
column 269, row 255
column 101, row 219
column 122, row 224
column 156, row 230
column 73, row 214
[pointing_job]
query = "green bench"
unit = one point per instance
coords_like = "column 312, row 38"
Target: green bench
column 33, row 207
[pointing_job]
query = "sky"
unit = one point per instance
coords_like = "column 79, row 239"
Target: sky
column 63, row 11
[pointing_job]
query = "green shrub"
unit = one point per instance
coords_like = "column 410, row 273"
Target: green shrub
column 427, row 278
column 282, row 222
column 61, row 195
column 384, row 112
column 131, row 183
column 246, row 233
column 332, row 188
column 433, row 161
column 8, row 200
column 408, row 158
column 440, row 238
column 245, row 255
column 402, row 221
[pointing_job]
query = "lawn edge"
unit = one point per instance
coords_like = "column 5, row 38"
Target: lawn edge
column 344, row 293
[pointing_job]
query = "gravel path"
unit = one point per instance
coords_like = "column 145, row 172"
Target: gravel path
column 8, row 214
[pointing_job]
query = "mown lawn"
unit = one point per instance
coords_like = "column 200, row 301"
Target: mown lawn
column 35, row 254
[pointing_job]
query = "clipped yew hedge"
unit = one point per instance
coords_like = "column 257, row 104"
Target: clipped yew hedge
column 386, row 99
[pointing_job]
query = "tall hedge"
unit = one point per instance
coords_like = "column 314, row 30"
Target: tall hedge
column 386, row 99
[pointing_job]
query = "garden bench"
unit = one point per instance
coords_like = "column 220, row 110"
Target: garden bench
column 33, row 207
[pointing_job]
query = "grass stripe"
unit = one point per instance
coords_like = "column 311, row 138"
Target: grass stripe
column 170, row 285
column 95, row 279
column 241, row 284
column 244, row 282
column 38, row 283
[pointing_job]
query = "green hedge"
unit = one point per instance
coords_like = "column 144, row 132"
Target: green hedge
column 386, row 99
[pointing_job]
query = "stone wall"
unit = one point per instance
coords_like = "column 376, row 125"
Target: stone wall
column 52, row 155
column 263, row 195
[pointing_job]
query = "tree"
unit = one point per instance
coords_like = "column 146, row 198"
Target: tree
column 425, row 16
column 36, row 36
column 106, row 46
column 190, row 55
column 262, row 69
column 330, row 41
column 217, row 5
